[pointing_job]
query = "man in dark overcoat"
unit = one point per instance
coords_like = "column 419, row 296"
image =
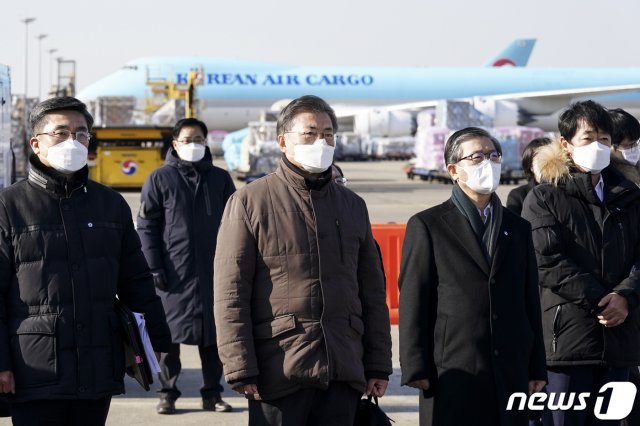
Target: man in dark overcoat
column 180, row 212
column 470, row 328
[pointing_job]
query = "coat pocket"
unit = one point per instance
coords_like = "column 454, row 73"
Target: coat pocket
column 275, row 327
column 35, row 361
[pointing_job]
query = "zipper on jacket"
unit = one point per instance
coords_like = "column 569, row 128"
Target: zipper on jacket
column 207, row 200
column 621, row 226
column 556, row 318
column 340, row 241
column 324, row 335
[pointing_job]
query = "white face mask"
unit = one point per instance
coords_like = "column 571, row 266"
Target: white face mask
column 315, row 158
column 483, row 178
column 592, row 157
column 191, row 151
column 631, row 155
column 68, row 156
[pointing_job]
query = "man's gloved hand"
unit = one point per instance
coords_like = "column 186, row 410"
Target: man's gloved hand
column 159, row 280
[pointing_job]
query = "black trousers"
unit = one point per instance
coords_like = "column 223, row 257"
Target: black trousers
column 335, row 406
column 634, row 416
column 4, row 409
column 580, row 378
column 170, row 367
column 62, row 412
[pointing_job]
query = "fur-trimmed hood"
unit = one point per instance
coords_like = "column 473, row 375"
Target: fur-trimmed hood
column 551, row 164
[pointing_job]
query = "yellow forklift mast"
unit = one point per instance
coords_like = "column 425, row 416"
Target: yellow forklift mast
column 163, row 91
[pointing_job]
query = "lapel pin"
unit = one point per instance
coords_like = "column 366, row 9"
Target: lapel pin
column 506, row 233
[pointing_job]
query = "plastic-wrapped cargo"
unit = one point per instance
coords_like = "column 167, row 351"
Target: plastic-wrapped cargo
column 349, row 146
column 113, row 110
column 260, row 151
column 214, row 142
column 6, row 155
column 396, row 148
column 382, row 123
column 514, row 140
column 429, row 148
column 458, row 115
column 523, row 135
column 426, row 118
column 232, row 147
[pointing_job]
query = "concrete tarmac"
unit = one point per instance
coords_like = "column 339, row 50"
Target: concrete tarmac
column 390, row 197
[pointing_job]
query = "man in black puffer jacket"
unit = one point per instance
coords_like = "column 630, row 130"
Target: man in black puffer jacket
column 67, row 248
column 585, row 219
column 180, row 212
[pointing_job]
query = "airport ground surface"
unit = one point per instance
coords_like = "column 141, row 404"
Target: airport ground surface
column 390, row 197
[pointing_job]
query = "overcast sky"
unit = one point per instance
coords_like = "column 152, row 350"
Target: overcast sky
column 103, row 35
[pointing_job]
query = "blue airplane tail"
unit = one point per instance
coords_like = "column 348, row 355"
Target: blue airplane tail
column 515, row 54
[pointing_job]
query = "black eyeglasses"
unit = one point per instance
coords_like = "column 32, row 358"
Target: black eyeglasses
column 81, row 136
column 309, row 137
column 479, row 157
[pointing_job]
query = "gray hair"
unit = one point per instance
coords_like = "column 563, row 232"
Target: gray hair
column 37, row 119
column 308, row 103
column 452, row 152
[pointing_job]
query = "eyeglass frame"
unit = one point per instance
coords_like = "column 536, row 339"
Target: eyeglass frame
column 55, row 134
column 327, row 136
column 485, row 157
column 634, row 145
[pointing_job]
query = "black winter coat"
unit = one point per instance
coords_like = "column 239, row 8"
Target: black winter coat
column 585, row 250
column 66, row 249
column 472, row 329
column 517, row 195
column 180, row 212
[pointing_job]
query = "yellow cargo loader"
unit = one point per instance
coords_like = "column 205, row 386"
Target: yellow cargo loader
column 123, row 157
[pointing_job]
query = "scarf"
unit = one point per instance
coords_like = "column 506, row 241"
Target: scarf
column 486, row 234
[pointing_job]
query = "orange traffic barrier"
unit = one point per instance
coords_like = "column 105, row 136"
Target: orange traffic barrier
column 390, row 238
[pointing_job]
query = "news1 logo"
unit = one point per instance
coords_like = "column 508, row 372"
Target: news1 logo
column 619, row 407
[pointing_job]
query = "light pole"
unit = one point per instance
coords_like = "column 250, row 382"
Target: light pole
column 51, row 52
column 40, row 37
column 26, row 22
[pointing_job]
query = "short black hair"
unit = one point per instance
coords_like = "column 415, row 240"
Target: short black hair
column 625, row 126
column 588, row 111
column 452, row 147
column 528, row 154
column 37, row 119
column 307, row 103
column 189, row 122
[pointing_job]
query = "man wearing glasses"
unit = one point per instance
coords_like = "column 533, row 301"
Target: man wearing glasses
column 299, row 297
column 470, row 329
column 67, row 248
column 180, row 211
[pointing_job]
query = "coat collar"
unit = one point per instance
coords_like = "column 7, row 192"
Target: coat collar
column 461, row 229
column 301, row 180
column 53, row 181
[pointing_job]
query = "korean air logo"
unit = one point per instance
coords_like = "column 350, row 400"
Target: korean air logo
column 129, row 167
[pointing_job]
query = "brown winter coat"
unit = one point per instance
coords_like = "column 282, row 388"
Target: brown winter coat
column 299, row 297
